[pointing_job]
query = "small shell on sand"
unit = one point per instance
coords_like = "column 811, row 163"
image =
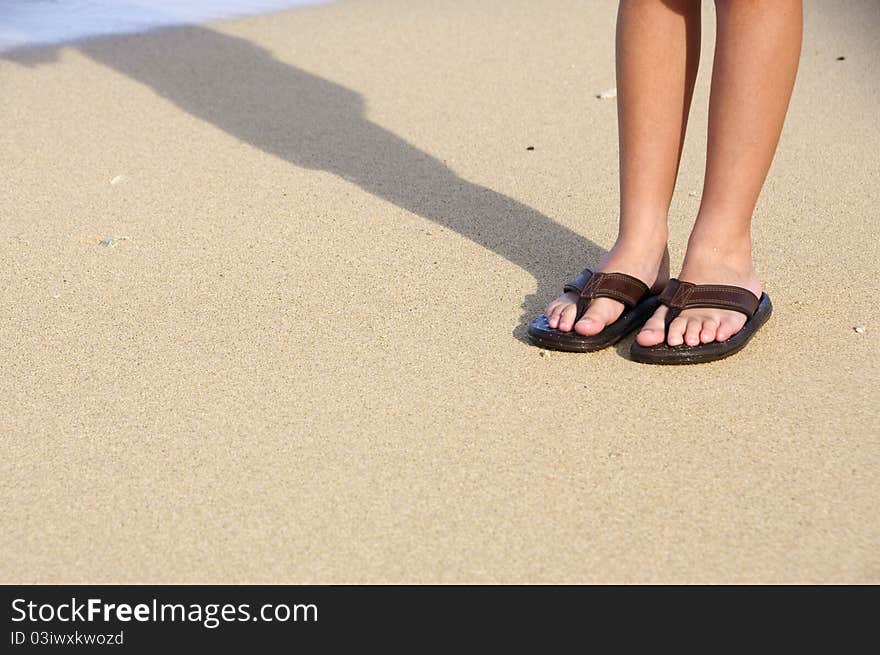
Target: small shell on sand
column 119, row 179
column 607, row 94
column 109, row 242
column 858, row 329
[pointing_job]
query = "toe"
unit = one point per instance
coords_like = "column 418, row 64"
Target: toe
column 676, row 331
column 552, row 313
column 652, row 332
column 649, row 336
column 600, row 313
column 566, row 317
column 729, row 326
column 590, row 324
column 707, row 334
column 692, row 331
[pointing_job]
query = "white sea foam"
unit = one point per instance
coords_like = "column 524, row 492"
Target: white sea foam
column 31, row 22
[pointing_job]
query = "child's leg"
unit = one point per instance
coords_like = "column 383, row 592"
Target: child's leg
column 756, row 58
column 658, row 51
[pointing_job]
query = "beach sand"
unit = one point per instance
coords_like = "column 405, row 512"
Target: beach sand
column 265, row 285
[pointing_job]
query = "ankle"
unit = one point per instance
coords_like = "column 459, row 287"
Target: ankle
column 734, row 246
column 708, row 260
column 650, row 238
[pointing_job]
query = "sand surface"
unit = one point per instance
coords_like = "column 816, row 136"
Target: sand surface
column 265, row 285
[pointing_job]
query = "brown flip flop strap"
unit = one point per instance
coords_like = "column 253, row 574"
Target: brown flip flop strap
column 618, row 286
column 679, row 296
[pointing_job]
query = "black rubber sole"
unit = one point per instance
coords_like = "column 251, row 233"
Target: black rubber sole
column 542, row 335
column 707, row 352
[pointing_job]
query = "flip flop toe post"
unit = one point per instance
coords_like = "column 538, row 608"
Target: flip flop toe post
column 679, row 296
column 639, row 303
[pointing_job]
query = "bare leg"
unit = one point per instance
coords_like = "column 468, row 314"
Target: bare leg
column 756, row 59
column 658, row 52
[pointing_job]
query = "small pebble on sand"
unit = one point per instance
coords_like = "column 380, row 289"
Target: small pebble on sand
column 607, row 94
column 119, row 179
column 859, row 329
column 544, row 353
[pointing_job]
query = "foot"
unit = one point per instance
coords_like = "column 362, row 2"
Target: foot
column 705, row 263
column 646, row 261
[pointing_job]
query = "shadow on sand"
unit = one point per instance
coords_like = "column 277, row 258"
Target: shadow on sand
column 309, row 121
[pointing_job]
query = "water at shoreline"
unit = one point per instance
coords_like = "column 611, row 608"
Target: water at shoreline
column 33, row 22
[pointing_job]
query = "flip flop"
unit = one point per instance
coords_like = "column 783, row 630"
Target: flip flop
column 639, row 303
column 679, row 296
